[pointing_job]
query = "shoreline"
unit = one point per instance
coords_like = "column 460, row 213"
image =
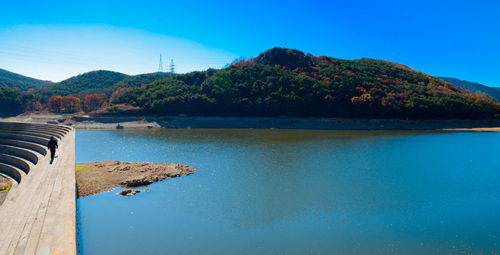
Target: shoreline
column 86, row 122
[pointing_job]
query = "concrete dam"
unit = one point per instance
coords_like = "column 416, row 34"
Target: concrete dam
column 38, row 215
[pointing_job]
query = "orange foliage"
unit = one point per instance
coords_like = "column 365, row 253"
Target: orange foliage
column 363, row 99
column 54, row 103
column 94, row 102
column 64, row 104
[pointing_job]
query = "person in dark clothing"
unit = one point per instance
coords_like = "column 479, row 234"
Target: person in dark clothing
column 52, row 147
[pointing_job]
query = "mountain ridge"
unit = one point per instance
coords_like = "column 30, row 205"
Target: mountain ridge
column 475, row 87
column 288, row 82
column 90, row 82
column 15, row 80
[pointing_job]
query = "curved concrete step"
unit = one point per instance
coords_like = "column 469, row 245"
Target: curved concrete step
column 19, row 152
column 11, row 171
column 27, row 138
column 15, row 161
column 26, row 145
column 23, row 124
column 39, row 129
column 59, row 129
column 32, row 133
column 41, row 133
column 48, row 129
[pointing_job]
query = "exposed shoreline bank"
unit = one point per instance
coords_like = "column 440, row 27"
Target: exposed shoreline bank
column 86, row 122
column 97, row 177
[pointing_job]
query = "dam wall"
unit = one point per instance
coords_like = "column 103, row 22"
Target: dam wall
column 38, row 215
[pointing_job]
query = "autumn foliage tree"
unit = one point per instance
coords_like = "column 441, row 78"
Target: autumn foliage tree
column 54, row 104
column 94, row 102
column 33, row 106
column 117, row 93
column 64, row 104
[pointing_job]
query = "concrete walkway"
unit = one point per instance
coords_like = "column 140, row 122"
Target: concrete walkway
column 39, row 213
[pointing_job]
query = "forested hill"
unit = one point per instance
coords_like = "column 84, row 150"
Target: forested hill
column 140, row 79
column 14, row 80
column 286, row 82
column 475, row 87
column 278, row 82
column 91, row 82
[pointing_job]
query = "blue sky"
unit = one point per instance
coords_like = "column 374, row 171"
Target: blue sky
column 57, row 39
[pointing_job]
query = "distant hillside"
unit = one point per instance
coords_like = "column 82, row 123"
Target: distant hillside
column 91, row 82
column 474, row 87
column 141, row 79
column 14, row 80
column 286, row 82
column 12, row 100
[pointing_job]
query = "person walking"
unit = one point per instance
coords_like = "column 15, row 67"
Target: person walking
column 52, row 147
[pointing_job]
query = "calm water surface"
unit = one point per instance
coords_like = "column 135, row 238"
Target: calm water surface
column 298, row 192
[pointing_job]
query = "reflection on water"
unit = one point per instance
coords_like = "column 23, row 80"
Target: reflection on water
column 298, row 192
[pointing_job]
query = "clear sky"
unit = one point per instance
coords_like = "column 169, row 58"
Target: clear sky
column 57, row 39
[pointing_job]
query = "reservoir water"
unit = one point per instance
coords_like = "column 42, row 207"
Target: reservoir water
column 298, row 192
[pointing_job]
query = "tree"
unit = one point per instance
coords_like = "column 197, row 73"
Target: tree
column 64, row 104
column 70, row 104
column 54, row 104
column 94, row 102
column 33, row 106
column 117, row 93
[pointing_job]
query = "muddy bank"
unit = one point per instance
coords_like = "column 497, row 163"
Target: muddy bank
column 113, row 122
column 97, row 177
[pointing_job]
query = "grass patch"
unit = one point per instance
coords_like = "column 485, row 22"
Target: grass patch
column 7, row 187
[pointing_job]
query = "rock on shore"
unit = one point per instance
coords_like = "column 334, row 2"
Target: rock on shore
column 97, row 177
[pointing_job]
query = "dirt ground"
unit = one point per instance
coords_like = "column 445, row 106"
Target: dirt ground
column 4, row 183
column 97, row 177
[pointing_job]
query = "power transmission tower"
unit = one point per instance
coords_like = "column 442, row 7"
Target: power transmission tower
column 160, row 66
column 172, row 66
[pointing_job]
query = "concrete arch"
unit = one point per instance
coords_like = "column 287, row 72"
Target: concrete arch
column 26, row 145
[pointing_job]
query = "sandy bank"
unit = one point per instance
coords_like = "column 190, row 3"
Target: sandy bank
column 492, row 129
column 97, row 177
